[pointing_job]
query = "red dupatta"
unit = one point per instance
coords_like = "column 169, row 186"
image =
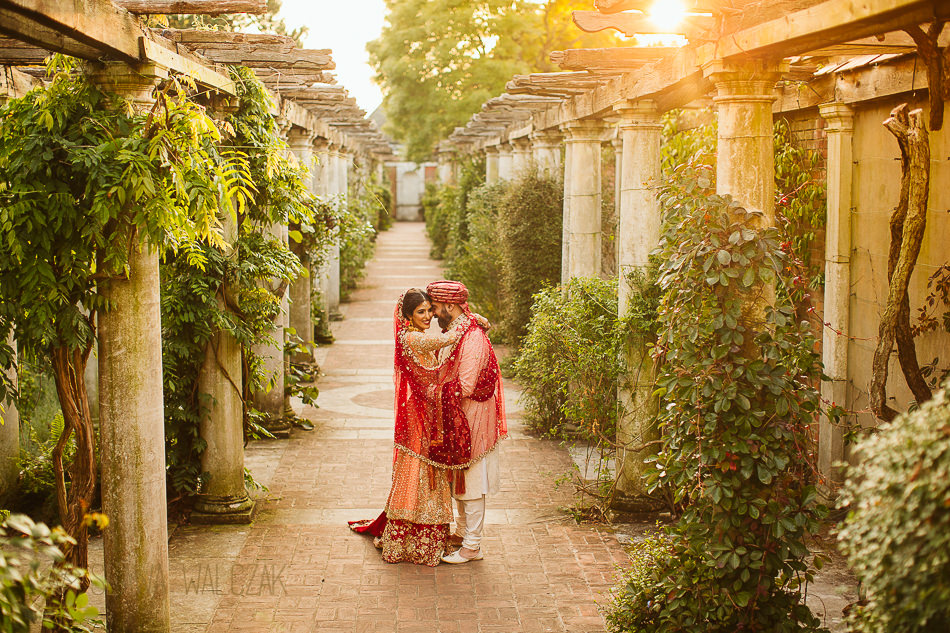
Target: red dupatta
column 429, row 424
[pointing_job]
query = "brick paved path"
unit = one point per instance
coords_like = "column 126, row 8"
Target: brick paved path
column 299, row 569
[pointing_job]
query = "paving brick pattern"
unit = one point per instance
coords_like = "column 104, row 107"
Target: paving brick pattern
column 299, row 569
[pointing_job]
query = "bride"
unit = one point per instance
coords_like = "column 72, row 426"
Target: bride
column 414, row 527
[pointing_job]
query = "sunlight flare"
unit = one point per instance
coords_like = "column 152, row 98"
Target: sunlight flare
column 667, row 14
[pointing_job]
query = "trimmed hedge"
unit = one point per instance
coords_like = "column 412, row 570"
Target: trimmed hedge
column 897, row 534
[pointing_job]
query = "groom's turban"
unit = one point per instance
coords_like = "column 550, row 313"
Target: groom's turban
column 448, row 291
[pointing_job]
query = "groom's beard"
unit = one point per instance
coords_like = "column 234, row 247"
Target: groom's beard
column 444, row 321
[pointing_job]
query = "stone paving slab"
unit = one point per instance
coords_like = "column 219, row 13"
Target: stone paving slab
column 299, row 569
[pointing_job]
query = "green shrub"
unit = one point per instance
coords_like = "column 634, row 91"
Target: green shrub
column 528, row 246
column 476, row 260
column 435, row 210
column 897, row 534
column 457, row 212
column 569, row 362
column 737, row 376
column 636, row 597
column 36, row 587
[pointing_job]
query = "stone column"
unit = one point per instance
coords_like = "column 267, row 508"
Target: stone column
column 617, row 143
column 745, row 161
column 505, row 162
column 330, row 272
column 566, row 216
column 583, row 173
column 745, row 156
column 839, row 127
column 638, row 210
column 520, row 156
column 446, row 158
column 547, row 152
column 301, row 144
column 269, row 400
column 131, row 416
column 321, row 274
column 223, row 497
column 491, row 164
column 9, row 434
column 343, row 161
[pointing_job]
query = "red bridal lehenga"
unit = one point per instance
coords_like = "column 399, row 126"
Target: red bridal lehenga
column 432, row 441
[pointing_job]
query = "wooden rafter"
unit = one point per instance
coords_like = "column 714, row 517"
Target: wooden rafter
column 828, row 23
column 638, row 23
column 84, row 28
column 98, row 30
column 677, row 79
column 609, row 59
column 253, row 50
column 194, row 7
column 615, row 6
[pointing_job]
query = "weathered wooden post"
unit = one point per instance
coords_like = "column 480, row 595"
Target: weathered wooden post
column 132, row 417
column 638, row 234
column 839, row 127
column 582, row 195
column 491, row 164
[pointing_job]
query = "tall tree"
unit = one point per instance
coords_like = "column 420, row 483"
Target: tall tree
column 437, row 61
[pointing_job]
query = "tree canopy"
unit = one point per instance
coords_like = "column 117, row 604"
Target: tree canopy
column 437, row 61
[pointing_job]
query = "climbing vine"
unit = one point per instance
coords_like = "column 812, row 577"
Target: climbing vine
column 84, row 179
column 737, row 381
column 233, row 291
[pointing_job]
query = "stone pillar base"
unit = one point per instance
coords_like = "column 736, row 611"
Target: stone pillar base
column 228, row 510
column 278, row 427
column 636, row 504
column 336, row 315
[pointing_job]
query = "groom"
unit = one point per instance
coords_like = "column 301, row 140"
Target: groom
column 482, row 403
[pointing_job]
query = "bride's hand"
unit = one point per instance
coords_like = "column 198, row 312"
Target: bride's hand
column 483, row 323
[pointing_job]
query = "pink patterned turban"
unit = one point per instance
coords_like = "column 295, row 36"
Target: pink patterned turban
column 448, row 291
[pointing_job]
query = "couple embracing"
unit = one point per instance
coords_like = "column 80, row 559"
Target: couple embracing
column 450, row 416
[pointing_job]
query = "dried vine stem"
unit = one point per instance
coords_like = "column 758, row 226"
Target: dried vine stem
column 69, row 372
column 907, row 231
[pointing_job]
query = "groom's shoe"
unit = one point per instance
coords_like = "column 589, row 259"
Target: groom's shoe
column 456, row 557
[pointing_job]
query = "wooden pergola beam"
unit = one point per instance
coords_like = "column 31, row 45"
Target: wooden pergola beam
column 82, row 28
column 638, row 23
column 252, row 49
column 896, row 42
column 678, row 79
column 282, row 80
column 825, row 24
column 194, row 7
column 615, row 6
column 98, row 30
column 609, row 59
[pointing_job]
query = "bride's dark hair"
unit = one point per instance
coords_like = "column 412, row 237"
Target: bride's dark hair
column 411, row 301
